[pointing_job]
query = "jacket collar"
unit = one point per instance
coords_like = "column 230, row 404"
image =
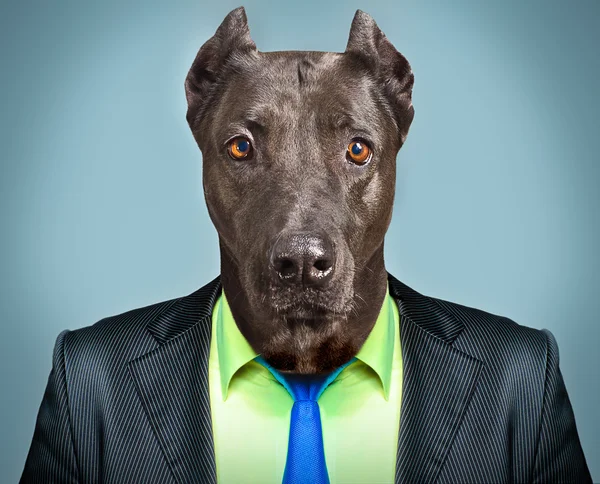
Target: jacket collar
column 438, row 382
column 172, row 383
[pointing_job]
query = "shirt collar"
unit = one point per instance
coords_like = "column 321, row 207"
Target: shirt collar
column 378, row 349
column 234, row 351
column 233, row 348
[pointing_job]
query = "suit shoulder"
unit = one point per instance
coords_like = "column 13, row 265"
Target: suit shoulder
column 121, row 335
column 488, row 335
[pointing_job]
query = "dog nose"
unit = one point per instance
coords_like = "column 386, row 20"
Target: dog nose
column 300, row 258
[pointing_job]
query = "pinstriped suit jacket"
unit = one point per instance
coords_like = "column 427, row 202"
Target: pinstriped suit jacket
column 484, row 399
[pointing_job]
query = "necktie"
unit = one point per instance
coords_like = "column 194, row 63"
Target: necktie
column 305, row 462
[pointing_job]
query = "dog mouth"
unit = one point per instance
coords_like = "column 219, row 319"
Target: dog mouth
column 307, row 305
column 304, row 313
column 307, row 316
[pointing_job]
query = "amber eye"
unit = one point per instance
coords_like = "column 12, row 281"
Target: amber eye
column 240, row 148
column 358, row 152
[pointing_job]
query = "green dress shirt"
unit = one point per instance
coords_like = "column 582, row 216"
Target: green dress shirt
column 360, row 409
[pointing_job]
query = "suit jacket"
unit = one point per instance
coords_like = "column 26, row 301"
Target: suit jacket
column 483, row 400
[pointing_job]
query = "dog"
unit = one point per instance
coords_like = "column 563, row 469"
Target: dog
column 299, row 160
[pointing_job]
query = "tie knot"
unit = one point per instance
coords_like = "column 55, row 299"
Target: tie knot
column 304, row 387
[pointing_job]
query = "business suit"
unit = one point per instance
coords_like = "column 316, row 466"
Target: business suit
column 483, row 398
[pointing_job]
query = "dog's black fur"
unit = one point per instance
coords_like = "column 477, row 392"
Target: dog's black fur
column 300, row 110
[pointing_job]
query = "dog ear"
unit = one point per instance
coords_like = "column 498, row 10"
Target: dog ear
column 372, row 47
column 232, row 39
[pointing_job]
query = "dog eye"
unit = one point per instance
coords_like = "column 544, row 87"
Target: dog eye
column 358, row 152
column 240, row 148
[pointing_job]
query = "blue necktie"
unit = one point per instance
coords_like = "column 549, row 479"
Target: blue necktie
column 305, row 462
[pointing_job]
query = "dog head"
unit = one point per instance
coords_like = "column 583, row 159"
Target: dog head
column 299, row 160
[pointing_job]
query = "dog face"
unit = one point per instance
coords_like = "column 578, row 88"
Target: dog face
column 299, row 153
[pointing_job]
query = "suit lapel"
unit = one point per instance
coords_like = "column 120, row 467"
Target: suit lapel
column 438, row 382
column 172, row 383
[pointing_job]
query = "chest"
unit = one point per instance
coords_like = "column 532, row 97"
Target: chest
column 360, row 427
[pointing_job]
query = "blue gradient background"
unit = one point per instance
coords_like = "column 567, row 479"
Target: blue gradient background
column 101, row 197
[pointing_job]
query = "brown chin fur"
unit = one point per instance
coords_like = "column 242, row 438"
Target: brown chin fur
column 328, row 356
